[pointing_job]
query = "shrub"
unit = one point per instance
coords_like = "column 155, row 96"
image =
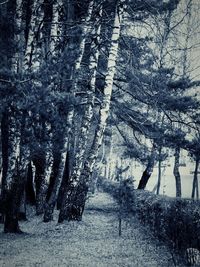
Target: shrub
column 122, row 191
column 174, row 220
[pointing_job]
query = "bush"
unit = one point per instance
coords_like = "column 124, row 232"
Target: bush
column 122, row 191
column 174, row 220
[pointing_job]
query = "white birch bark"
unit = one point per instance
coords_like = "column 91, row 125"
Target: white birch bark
column 48, row 154
column 75, row 75
column 54, row 28
column 18, row 36
column 31, row 54
column 13, row 152
column 88, row 112
column 70, row 199
column 105, row 106
column 85, row 31
column 45, row 179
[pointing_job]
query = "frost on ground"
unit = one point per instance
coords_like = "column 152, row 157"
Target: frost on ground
column 94, row 242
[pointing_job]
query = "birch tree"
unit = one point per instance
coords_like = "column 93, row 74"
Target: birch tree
column 74, row 76
column 71, row 210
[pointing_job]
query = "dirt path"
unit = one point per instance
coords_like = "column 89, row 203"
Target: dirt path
column 94, row 242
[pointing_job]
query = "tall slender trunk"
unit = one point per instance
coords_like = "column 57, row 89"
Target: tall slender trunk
column 51, row 202
column 22, row 177
column 65, row 179
column 45, row 171
column 159, row 170
column 1, row 167
column 10, row 190
column 85, row 125
column 39, row 163
column 22, row 206
column 54, row 28
column 18, row 37
column 50, row 205
column 4, row 144
column 29, row 187
column 31, row 58
column 149, row 169
column 176, row 171
column 76, row 196
column 195, row 185
column 18, row 159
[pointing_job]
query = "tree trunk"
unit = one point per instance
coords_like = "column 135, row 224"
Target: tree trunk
column 31, row 58
column 43, row 172
column 29, row 187
column 22, row 176
column 50, row 205
column 65, row 179
column 18, row 37
column 4, row 143
column 54, row 28
column 24, row 159
column 176, row 171
column 195, row 187
column 51, row 202
column 22, row 207
column 159, row 171
column 73, row 203
column 39, row 163
column 13, row 200
column 149, row 169
column 11, row 224
column 12, row 186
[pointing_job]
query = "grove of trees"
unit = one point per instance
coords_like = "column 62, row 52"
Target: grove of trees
column 70, row 70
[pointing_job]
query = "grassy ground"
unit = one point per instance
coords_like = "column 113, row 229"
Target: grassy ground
column 94, row 242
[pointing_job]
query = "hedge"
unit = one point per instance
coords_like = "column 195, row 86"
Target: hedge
column 174, row 220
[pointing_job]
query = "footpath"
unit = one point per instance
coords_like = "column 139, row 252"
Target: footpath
column 93, row 242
